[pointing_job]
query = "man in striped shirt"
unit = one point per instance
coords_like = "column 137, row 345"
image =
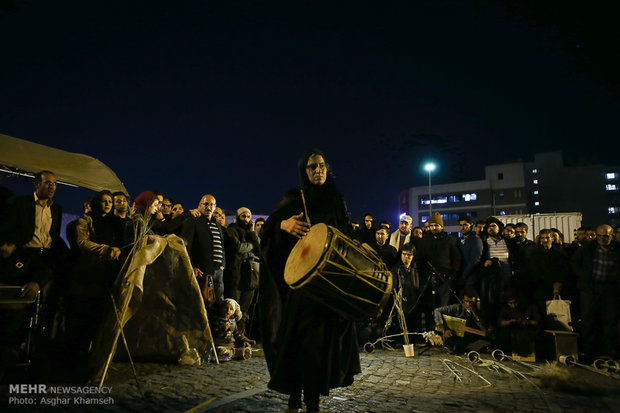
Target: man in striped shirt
column 496, row 273
column 205, row 245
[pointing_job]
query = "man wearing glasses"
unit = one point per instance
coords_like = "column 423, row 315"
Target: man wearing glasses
column 204, row 239
column 597, row 266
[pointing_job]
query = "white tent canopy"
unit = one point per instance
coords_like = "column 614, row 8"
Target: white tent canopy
column 73, row 168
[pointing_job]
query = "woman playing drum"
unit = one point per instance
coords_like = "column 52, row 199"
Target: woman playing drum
column 307, row 346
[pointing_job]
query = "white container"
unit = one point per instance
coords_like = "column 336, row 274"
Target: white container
column 566, row 222
column 408, row 350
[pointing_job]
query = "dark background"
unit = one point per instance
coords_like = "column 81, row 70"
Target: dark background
column 194, row 97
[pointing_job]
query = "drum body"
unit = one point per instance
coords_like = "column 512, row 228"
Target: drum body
column 339, row 273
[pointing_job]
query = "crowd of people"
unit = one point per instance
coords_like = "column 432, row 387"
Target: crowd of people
column 490, row 274
column 493, row 276
column 71, row 283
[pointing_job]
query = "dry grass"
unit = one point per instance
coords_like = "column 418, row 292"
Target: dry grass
column 575, row 380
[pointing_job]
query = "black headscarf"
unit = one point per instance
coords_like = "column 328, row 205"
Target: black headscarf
column 322, row 201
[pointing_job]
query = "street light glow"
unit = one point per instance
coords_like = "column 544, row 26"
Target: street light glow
column 429, row 167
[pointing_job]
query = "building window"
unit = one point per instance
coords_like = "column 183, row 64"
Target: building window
column 468, row 197
column 534, row 171
column 612, row 175
column 454, row 198
column 611, row 187
column 500, row 176
column 500, row 195
column 537, row 203
column 436, row 200
column 614, row 210
column 535, row 192
column 502, row 213
column 535, row 181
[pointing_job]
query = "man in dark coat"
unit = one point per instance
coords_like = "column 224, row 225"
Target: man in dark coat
column 366, row 234
column 471, row 251
column 242, row 249
column 439, row 256
column 307, row 345
column 36, row 219
column 545, row 273
column 597, row 266
column 205, row 245
column 405, row 275
column 387, row 253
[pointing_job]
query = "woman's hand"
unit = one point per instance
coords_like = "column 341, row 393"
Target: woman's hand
column 295, row 226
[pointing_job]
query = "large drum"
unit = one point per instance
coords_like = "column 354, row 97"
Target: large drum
column 339, row 273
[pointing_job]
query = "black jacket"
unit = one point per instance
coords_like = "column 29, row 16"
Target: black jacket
column 20, row 215
column 241, row 243
column 441, row 252
column 581, row 264
column 199, row 242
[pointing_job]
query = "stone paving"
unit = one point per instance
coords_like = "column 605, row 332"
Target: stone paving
column 389, row 382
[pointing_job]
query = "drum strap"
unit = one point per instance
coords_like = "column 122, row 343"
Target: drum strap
column 303, row 199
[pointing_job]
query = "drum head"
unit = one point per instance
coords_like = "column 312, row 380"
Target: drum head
column 306, row 254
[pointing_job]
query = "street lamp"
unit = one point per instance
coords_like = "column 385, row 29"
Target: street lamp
column 429, row 167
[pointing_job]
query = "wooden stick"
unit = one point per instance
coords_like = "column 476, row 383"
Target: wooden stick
column 303, row 199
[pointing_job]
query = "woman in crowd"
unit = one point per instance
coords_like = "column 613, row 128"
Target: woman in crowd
column 99, row 238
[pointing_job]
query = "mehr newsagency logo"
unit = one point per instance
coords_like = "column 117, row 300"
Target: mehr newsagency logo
column 44, row 395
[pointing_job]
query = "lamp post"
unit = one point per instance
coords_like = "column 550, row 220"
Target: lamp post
column 429, row 167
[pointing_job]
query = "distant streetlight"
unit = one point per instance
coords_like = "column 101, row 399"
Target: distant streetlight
column 429, row 167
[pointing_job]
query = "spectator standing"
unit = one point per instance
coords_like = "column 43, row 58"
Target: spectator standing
column 366, row 234
column 546, row 271
column 439, row 255
column 220, row 217
column 99, row 237
column 204, row 238
column 387, row 253
column 470, row 247
column 121, row 205
column 403, row 234
column 242, row 251
column 258, row 225
column 405, row 274
column 496, row 272
column 597, row 266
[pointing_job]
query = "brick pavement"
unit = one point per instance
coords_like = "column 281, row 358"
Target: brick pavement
column 389, row 382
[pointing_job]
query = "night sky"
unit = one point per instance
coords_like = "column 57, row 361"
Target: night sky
column 194, row 97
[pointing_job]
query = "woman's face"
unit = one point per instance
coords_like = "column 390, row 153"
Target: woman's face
column 316, row 169
column 154, row 207
column 177, row 210
column 106, row 204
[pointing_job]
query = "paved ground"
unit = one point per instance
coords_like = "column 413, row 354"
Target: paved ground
column 389, row 382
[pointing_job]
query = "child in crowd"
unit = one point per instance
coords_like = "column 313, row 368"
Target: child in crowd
column 229, row 341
